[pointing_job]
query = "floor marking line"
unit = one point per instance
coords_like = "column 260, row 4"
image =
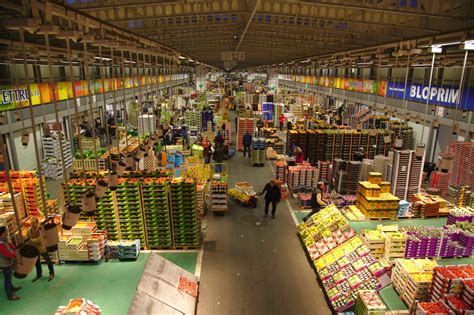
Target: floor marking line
column 287, row 201
column 197, row 272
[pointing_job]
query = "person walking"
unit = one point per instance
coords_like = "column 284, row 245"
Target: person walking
column 218, row 157
column 34, row 237
column 281, row 120
column 247, row 142
column 272, row 195
column 219, row 140
column 7, row 260
column 207, row 152
column 259, row 126
column 317, row 201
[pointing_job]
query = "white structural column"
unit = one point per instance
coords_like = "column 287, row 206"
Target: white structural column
column 272, row 77
column 200, row 78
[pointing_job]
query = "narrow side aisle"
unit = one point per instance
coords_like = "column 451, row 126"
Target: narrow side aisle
column 256, row 269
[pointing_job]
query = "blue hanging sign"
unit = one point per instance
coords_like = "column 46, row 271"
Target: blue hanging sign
column 443, row 95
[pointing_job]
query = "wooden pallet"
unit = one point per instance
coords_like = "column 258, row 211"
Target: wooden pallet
column 381, row 219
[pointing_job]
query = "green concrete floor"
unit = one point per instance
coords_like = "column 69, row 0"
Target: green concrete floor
column 111, row 285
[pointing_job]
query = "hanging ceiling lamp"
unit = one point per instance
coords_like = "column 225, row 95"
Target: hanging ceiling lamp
column 89, row 204
column 26, row 257
column 113, row 180
column 100, row 188
column 25, row 138
column 70, row 216
column 49, row 235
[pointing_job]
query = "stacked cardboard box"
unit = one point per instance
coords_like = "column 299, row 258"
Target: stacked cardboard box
column 374, row 199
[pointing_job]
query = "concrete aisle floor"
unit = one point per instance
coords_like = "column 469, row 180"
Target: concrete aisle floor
column 256, row 269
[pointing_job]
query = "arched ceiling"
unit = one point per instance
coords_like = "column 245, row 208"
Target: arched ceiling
column 275, row 31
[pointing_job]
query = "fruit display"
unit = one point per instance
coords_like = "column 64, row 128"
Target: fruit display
column 347, row 269
column 353, row 213
column 157, row 217
column 449, row 241
column 432, row 308
column 322, row 224
column 84, row 242
column 459, row 215
column 448, row 280
column 369, row 302
column 185, row 222
column 412, row 278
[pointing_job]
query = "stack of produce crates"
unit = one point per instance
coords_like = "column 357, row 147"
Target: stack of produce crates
column 258, row 151
column 369, row 302
column 129, row 210
column 448, row 280
column 395, row 243
column 375, row 241
column 157, row 217
column 185, row 221
column 375, row 200
column 412, row 279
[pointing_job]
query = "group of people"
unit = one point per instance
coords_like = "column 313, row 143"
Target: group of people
column 8, row 257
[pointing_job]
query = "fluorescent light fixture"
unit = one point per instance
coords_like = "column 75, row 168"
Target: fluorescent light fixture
column 129, row 61
column 182, row 57
column 364, row 63
column 469, row 45
column 103, row 58
column 420, row 64
column 305, row 61
column 20, row 59
column 436, row 49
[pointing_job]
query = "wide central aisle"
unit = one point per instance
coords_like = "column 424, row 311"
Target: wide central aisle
column 256, row 269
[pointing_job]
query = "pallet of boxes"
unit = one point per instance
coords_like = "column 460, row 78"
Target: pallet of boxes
column 82, row 243
column 374, row 199
column 412, row 279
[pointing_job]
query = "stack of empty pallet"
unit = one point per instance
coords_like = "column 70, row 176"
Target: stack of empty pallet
column 462, row 168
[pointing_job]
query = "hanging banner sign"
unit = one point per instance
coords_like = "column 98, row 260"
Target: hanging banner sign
column 436, row 95
column 42, row 93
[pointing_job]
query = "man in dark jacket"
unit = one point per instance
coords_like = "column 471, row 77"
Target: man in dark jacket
column 247, row 141
column 272, row 195
column 218, row 157
column 219, row 140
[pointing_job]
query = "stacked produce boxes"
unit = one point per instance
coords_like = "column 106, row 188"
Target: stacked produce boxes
column 185, row 221
column 369, row 303
column 157, row 217
column 412, row 279
column 129, row 210
column 374, row 199
column 244, row 124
